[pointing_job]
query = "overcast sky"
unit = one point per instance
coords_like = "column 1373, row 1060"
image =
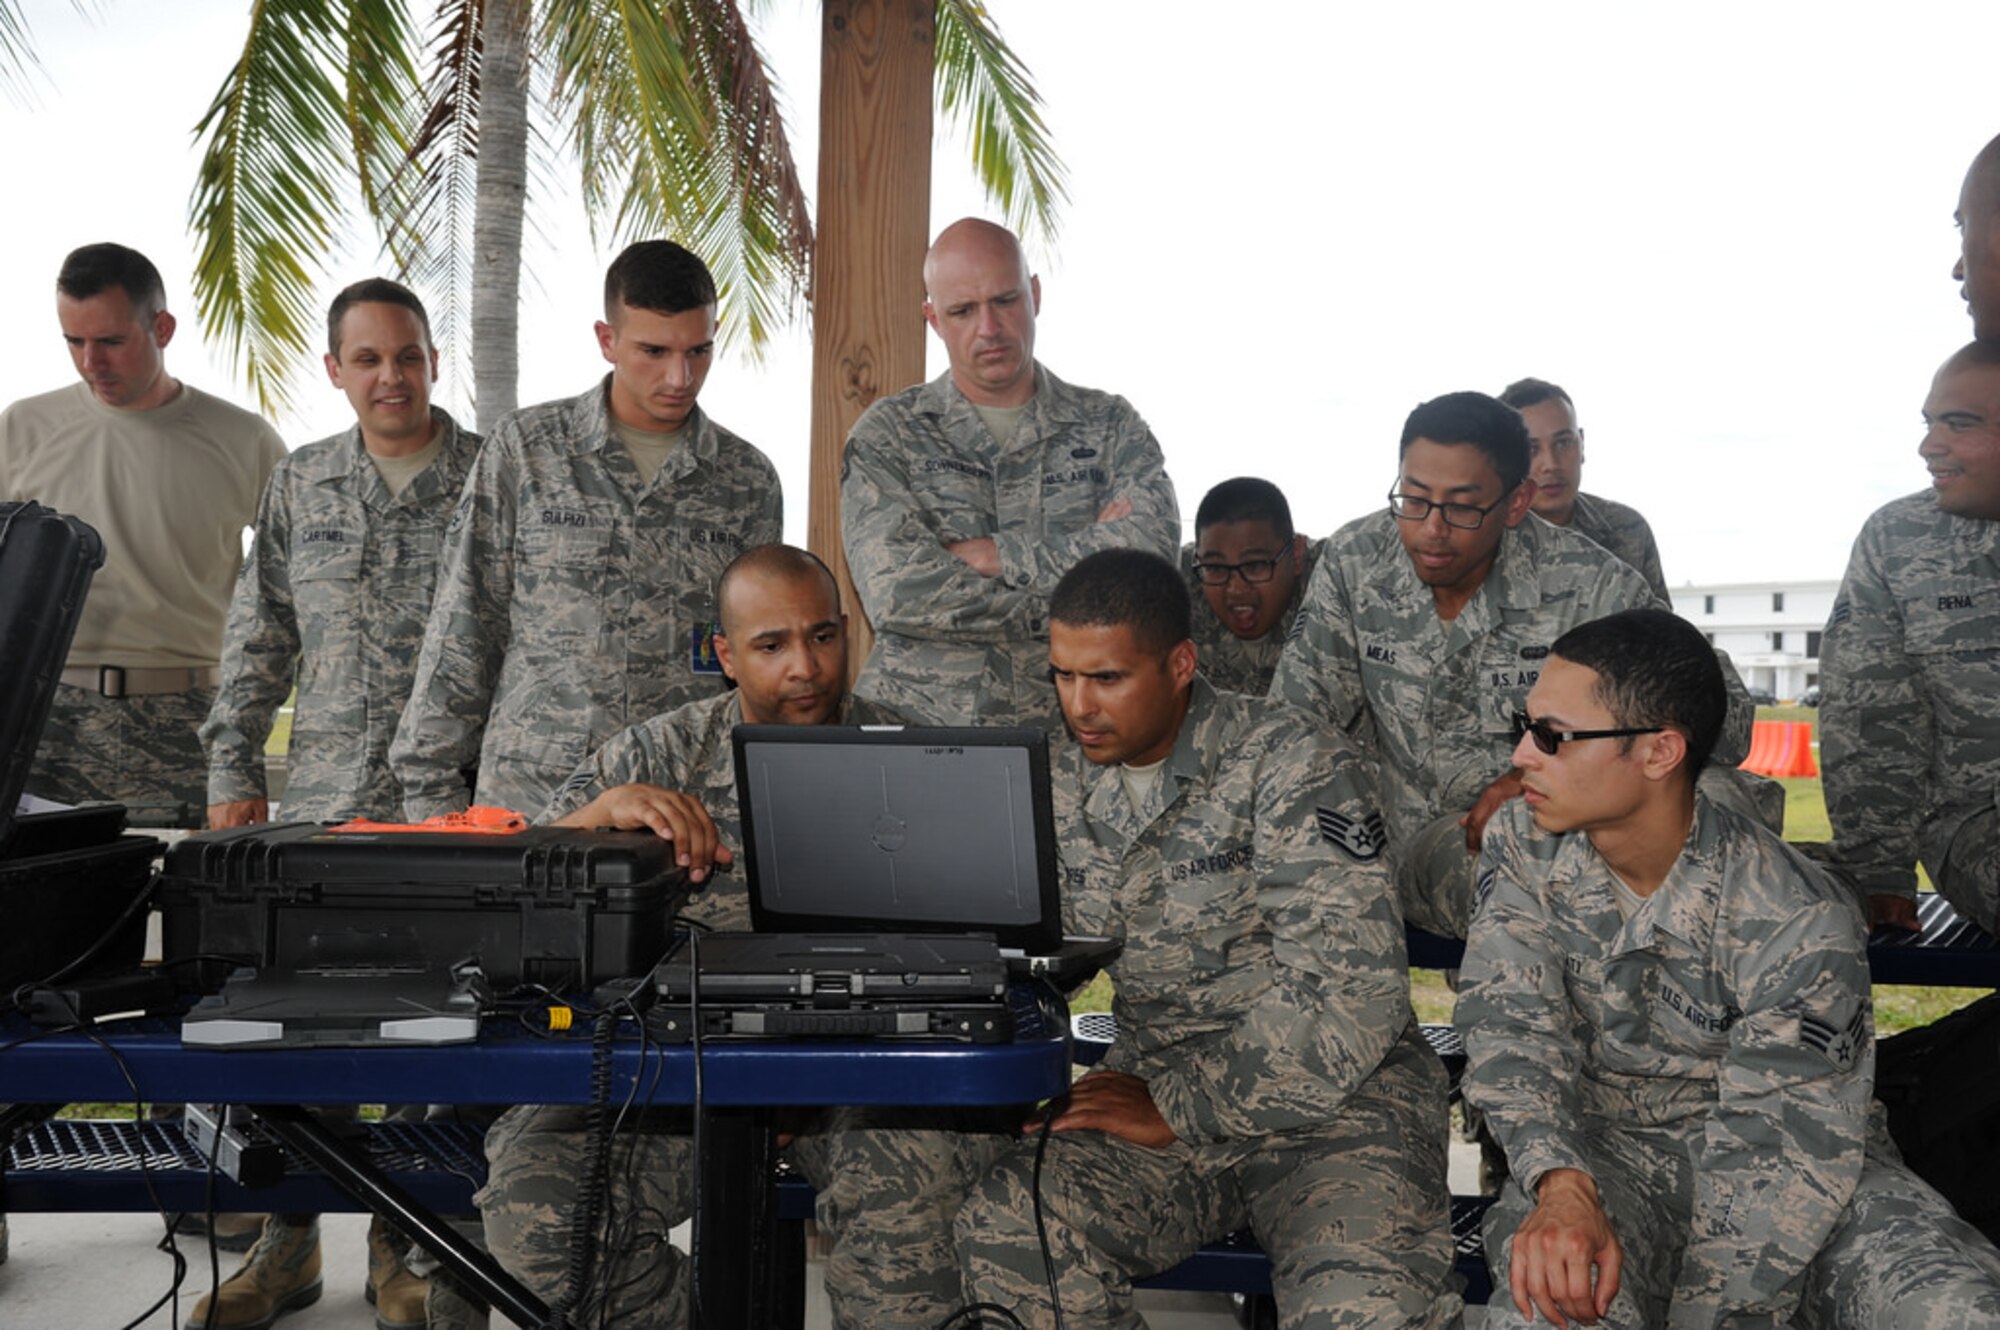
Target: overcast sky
column 1725, row 228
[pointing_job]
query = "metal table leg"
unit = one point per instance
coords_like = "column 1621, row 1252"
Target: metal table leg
column 474, row 1268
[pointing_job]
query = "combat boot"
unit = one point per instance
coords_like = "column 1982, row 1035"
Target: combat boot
column 230, row 1231
column 398, row 1295
column 281, row 1274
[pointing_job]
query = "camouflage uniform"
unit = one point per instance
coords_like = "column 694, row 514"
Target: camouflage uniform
column 1625, row 533
column 335, row 593
column 1433, row 702
column 1262, row 996
column 1227, row 660
column 888, row 1180
column 574, row 599
column 143, row 752
column 1709, row 1063
column 921, row 471
column 1909, row 726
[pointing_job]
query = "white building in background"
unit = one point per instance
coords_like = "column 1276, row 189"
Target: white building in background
column 1771, row 630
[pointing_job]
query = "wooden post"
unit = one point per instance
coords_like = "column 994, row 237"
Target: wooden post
column 876, row 59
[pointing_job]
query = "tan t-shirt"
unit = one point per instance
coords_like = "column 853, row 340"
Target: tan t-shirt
column 170, row 490
column 1002, row 422
column 398, row 472
column 648, row 448
column 1140, row 782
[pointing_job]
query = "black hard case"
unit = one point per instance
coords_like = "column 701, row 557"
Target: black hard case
column 67, row 878
column 554, row 906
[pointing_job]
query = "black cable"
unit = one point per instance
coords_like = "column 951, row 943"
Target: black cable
column 597, row 1144
column 621, row 1231
column 208, row 1201
column 1041, row 1225
column 145, row 1174
column 973, row 1315
column 698, row 1317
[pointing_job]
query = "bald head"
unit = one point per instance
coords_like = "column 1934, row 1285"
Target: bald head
column 1973, row 355
column 1978, row 267
column 976, row 239
column 765, row 565
column 783, row 639
column 981, row 301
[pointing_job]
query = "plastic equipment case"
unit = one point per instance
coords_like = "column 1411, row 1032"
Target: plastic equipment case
column 67, row 877
column 554, row 906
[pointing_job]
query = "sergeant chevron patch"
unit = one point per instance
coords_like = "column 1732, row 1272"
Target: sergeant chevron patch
column 1361, row 838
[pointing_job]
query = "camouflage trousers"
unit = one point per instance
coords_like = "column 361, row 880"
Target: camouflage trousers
column 144, row 752
column 1354, row 1214
column 889, row 1182
column 1967, row 863
column 1899, row 1257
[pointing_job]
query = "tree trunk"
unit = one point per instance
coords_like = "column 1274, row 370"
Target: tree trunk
column 498, row 209
column 874, row 218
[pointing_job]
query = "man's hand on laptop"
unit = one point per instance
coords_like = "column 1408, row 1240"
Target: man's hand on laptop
column 1109, row 1101
column 677, row 817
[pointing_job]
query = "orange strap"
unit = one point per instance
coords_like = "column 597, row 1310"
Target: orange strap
column 475, row 820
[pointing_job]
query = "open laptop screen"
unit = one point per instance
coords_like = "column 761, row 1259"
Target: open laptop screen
column 899, row 830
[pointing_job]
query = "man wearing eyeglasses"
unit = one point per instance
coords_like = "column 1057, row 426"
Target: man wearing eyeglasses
column 1250, row 567
column 1911, row 668
column 1555, row 464
column 1424, row 626
column 1667, row 1019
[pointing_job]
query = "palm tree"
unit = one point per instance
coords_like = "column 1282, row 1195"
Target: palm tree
column 672, row 124
column 18, row 62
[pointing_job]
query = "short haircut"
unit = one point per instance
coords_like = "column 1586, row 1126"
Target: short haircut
column 1245, row 499
column 379, row 290
column 94, row 269
column 1126, row 588
column 1653, row 668
column 775, row 560
column 657, row 275
column 1523, row 393
column 1485, row 423
column 1973, row 355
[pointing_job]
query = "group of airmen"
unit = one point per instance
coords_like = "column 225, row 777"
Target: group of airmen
column 1471, row 711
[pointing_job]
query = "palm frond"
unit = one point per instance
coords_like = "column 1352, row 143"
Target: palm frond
column 265, row 201
column 678, row 132
column 381, row 93
column 983, row 87
column 430, row 234
column 18, row 61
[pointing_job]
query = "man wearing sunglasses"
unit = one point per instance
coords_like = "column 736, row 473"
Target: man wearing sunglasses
column 1666, row 1011
column 1250, row 568
column 1424, row 626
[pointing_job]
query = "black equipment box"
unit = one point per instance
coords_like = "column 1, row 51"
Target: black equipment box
column 834, row 985
column 72, row 886
column 554, row 906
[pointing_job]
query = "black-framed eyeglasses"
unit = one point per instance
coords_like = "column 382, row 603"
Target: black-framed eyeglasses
column 1250, row 570
column 1464, row 516
column 1548, row 738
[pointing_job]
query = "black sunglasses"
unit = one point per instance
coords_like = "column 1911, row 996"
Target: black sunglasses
column 1548, row 738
